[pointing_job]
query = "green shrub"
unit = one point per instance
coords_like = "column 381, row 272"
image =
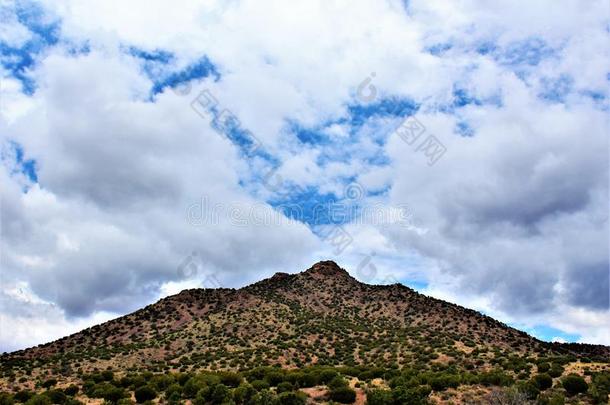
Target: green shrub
column 292, row 398
column 555, row 399
column 174, row 388
column 544, row 367
column 230, row 379
column 107, row 375
column 600, row 387
column 284, row 386
column 264, row 397
column 411, row 396
column 39, row 400
column 529, row 388
column 71, row 390
column 344, row 395
column 498, row 378
column 337, row 382
column 379, row 397
column 219, row 393
column 49, row 383
column 56, row 396
column 201, row 396
column 114, row 394
column 243, row 394
column 326, row 376
column 23, row 396
column 6, row 399
column 260, row 385
column 145, row 393
column 192, row 387
column 543, row 381
column 274, row 378
column 574, row 384
column 307, row 379
column 442, row 382
column 161, row 382
column 556, row 370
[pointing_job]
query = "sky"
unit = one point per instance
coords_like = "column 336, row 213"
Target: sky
column 460, row 148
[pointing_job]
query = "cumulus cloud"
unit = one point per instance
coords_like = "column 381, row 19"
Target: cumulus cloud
column 512, row 219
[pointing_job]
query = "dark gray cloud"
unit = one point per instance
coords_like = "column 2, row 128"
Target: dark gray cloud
column 588, row 285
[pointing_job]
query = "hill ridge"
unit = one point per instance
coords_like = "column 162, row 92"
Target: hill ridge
column 321, row 315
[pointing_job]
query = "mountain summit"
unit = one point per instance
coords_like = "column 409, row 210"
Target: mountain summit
column 327, row 268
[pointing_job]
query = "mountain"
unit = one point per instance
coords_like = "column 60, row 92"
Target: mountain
column 319, row 317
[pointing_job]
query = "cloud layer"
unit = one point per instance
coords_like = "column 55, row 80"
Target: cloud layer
column 104, row 156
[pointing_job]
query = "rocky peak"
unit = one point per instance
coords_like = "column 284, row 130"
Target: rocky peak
column 327, row 268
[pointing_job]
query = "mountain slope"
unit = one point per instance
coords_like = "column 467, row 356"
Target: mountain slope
column 309, row 311
column 320, row 316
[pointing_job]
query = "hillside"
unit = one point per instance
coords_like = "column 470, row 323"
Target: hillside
column 319, row 317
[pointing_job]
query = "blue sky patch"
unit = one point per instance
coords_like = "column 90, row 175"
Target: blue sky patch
column 438, row 49
column 463, row 129
column 19, row 60
column 27, row 167
column 199, row 69
column 556, row 89
column 548, row 333
column 385, row 107
column 312, row 136
column 530, row 52
column 462, row 98
column 417, row 285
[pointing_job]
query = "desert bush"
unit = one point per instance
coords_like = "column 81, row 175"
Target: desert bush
column 574, row 384
column 498, row 378
column 543, row 367
column 230, row 379
column 39, row 400
column 528, row 388
column 107, row 375
column 344, row 395
column 292, row 398
column 112, row 394
column 6, row 399
column 243, row 394
column 306, row 379
column 284, row 386
column 412, row 396
column 556, row 370
column 161, row 382
column 260, row 385
column 337, row 382
column 326, row 376
column 145, row 393
column 379, row 397
column 56, row 396
column 274, row 378
column 219, row 393
column 49, row 383
column 23, row 396
column 264, row 397
column 600, row 387
column 551, row 399
column 442, row 382
column 174, row 388
column 543, row 381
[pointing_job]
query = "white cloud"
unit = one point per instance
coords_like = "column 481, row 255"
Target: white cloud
column 513, row 216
